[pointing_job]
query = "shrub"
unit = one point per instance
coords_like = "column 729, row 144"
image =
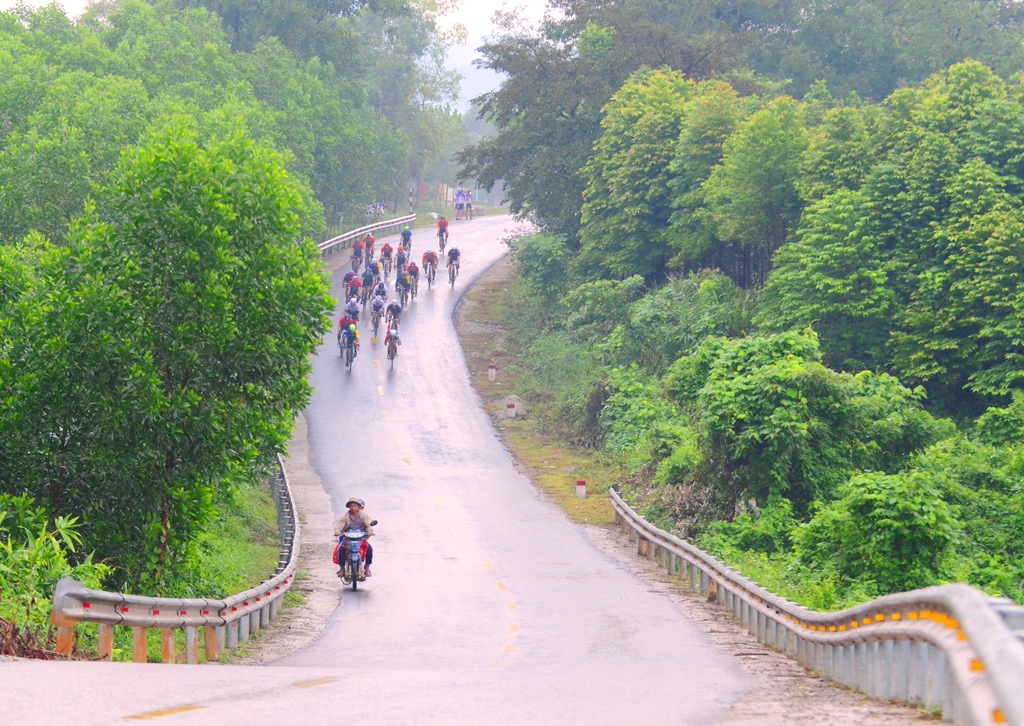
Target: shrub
column 893, row 530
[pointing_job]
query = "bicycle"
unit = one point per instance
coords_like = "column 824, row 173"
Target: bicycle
column 375, row 320
column 392, row 322
column 356, row 262
column 415, row 286
column 442, row 240
column 453, row 272
column 348, row 352
column 387, row 267
column 392, row 351
column 430, row 274
column 404, row 297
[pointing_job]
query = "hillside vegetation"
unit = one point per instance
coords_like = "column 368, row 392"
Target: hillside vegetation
column 794, row 318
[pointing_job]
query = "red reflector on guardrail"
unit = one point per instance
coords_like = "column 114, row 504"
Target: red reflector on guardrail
column 156, row 612
column 86, row 605
column 124, row 610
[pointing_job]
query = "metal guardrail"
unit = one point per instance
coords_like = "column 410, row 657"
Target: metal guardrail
column 225, row 623
column 947, row 647
column 333, row 244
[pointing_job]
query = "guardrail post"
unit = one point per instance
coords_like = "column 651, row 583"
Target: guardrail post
column 65, row 639
column 254, row 622
column 167, row 645
column 873, row 669
column 105, row 645
column 918, row 677
column 231, row 632
column 949, row 695
column 211, row 642
column 860, row 657
column 936, row 671
column 191, row 645
column 140, row 644
column 265, row 616
column 243, row 629
column 900, row 687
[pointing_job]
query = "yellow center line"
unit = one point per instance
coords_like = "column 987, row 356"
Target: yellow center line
column 387, row 415
column 501, row 585
column 376, row 363
column 314, row 684
column 164, row 712
column 511, row 648
column 514, row 628
column 487, row 565
column 511, row 605
column 380, row 390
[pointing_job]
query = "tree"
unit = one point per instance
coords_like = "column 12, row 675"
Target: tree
column 627, row 203
column 751, row 196
column 188, row 308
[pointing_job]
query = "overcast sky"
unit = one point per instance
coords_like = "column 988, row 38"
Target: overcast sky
column 474, row 14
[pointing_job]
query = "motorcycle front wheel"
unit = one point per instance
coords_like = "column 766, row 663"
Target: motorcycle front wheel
column 355, row 577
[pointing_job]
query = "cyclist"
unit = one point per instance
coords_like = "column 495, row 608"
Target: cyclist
column 385, row 252
column 393, row 314
column 354, row 285
column 357, row 250
column 403, row 283
column 413, row 272
column 368, row 280
column 352, row 308
column 369, row 241
column 376, row 269
column 442, row 232
column 401, row 259
column 453, row 258
column 392, row 335
column 429, row 258
column 377, row 306
column 348, row 276
column 344, row 324
column 350, row 336
column 407, row 239
column 381, row 290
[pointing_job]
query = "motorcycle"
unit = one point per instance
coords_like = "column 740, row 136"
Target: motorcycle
column 350, row 554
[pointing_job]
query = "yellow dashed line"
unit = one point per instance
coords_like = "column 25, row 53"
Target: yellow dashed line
column 501, row 585
column 314, row 684
column 165, row 712
column 511, row 648
column 409, row 462
column 376, row 363
column 514, row 628
column 387, row 415
column 380, row 390
column 511, row 605
column 487, row 565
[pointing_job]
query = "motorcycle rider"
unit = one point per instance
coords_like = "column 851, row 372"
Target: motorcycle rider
column 355, row 518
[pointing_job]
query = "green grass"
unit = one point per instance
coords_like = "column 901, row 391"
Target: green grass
column 237, row 552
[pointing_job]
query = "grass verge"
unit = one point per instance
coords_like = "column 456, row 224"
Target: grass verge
column 553, row 465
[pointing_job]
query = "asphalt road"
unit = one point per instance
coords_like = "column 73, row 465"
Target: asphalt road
column 486, row 605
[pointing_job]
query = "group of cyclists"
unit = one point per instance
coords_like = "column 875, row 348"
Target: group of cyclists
column 371, row 287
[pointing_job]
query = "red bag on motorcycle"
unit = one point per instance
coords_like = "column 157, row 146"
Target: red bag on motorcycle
column 337, row 549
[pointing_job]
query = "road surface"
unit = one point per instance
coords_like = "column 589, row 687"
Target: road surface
column 486, row 605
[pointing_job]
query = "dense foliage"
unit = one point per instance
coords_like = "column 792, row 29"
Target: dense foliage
column 159, row 357
column 561, row 73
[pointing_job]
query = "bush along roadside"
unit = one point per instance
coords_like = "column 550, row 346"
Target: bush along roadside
column 828, row 487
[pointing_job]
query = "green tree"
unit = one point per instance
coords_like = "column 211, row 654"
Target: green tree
column 626, row 203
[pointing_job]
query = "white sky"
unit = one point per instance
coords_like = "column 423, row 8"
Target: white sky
column 474, row 14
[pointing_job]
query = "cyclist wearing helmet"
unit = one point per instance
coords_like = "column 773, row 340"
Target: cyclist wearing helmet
column 353, row 309
column 407, row 239
column 353, row 286
column 380, row 290
column 392, row 335
column 377, row 306
column 413, row 272
column 393, row 313
column 370, row 241
column 385, row 251
column 346, row 320
column 357, row 249
column 350, row 336
column 355, row 518
column 401, row 258
column 348, row 277
column 453, row 257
